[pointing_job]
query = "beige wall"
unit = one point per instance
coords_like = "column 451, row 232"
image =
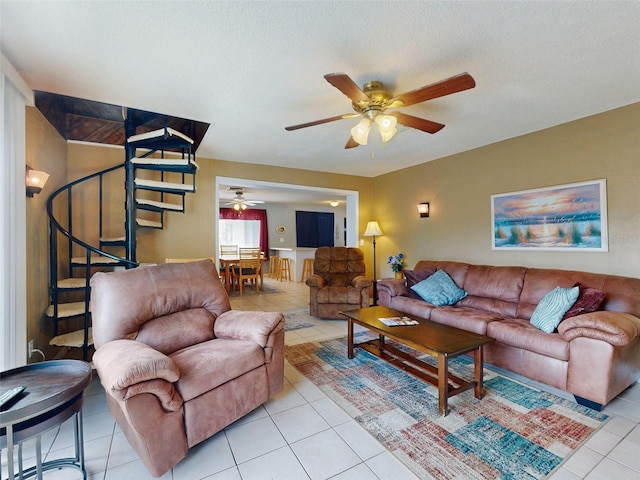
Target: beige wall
column 45, row 150
column 459, row 189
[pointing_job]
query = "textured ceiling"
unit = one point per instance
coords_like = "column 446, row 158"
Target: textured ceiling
column 252, row 68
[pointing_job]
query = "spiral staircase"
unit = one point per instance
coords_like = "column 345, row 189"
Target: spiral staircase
column 158, row 172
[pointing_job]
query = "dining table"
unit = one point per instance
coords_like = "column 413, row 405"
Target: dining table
column 228, row 261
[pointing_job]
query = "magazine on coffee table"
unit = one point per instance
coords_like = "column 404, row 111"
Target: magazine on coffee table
column 397, row 321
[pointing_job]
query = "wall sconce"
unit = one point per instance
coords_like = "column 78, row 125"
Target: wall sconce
column 35, row 180
column 423, row 209
column 334, row 203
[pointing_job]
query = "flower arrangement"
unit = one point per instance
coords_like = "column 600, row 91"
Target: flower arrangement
column 396, row 262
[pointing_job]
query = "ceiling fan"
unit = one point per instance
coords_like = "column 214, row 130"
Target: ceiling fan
column 239, row 202
column 372, row 101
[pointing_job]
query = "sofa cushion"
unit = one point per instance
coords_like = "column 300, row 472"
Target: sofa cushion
column 466, row 318
column 413, row 277
column 549, row 312
column 412, row 306
column 499, row 283
column 347, row 295
column 589, row 299
column 439, row 289
column 339, row 265
column 519, row 333
column 207, row 365
column 170, row 333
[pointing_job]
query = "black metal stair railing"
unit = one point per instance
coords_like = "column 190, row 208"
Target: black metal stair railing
column 95, row 255
column 80, row 284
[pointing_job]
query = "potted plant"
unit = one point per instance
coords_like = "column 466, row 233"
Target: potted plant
column 397, row 264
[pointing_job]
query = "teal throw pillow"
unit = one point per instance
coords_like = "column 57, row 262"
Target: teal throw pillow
column 549, row 312
column 439, row 289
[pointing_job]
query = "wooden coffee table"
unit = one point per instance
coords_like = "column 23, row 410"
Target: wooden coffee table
column 440, row 341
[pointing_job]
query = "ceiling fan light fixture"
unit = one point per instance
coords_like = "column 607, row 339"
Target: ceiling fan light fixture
column 386, row 126
column 360, row 132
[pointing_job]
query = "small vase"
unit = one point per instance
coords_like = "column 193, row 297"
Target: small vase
column 399, row 274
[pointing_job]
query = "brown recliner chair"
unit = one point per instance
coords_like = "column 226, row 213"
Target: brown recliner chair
column 177, row 364
column 338, row 282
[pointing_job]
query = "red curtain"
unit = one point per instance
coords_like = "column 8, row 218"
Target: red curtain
column 251, row 214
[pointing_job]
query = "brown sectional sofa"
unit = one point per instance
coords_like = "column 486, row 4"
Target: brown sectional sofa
column 594, row 356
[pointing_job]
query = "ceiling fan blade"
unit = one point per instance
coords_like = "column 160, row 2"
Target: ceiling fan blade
column 318, row 122
column 454, row 84
column 351, row 143
column 418, row 123
column 343, row 82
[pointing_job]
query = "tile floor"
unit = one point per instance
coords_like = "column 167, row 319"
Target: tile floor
column 301, row 434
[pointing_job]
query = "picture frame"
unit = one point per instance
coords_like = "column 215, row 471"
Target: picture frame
column 568, row 218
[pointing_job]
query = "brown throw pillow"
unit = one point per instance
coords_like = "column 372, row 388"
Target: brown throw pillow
column 589, row 300
column 416, row 276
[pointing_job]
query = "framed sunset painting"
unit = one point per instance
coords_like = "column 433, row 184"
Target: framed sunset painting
column 562, row 218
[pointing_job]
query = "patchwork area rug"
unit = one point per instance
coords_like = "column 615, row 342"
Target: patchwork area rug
column 296, row 319
column 514, row 432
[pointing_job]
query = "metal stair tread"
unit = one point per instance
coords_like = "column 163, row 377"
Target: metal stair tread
column 72, row 339
column 167, row 186
column 95, row 260
column 157, row 134
column 72, row 283
column 66, row 309
column 161, row 205
column 143, row 222
column 113, row 239
column 168, row 162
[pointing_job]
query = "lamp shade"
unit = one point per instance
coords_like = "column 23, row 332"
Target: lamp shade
column 35, row 180
column 386, row 126
column 373, row 229
column 360, row 132
column 423, row 209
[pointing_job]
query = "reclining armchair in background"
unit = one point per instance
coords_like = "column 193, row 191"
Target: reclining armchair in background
column 338, row 282
column 177, row 364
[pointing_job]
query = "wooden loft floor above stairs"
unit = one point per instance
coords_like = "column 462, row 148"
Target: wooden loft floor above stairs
column 97, row 122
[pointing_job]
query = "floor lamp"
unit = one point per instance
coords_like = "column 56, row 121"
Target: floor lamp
column 373, row 230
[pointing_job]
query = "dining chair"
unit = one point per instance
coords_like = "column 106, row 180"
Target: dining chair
column 247, row 268
column 187, row 260
column 228, row 249
column 249, row 252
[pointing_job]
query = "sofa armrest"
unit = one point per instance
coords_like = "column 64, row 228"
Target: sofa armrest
column 123, row 363
column 164, row 391
column 393, row 286
column 360, row 282
column 128, row 368
column 315, row 281
column 615, row 328
column 248, row 325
